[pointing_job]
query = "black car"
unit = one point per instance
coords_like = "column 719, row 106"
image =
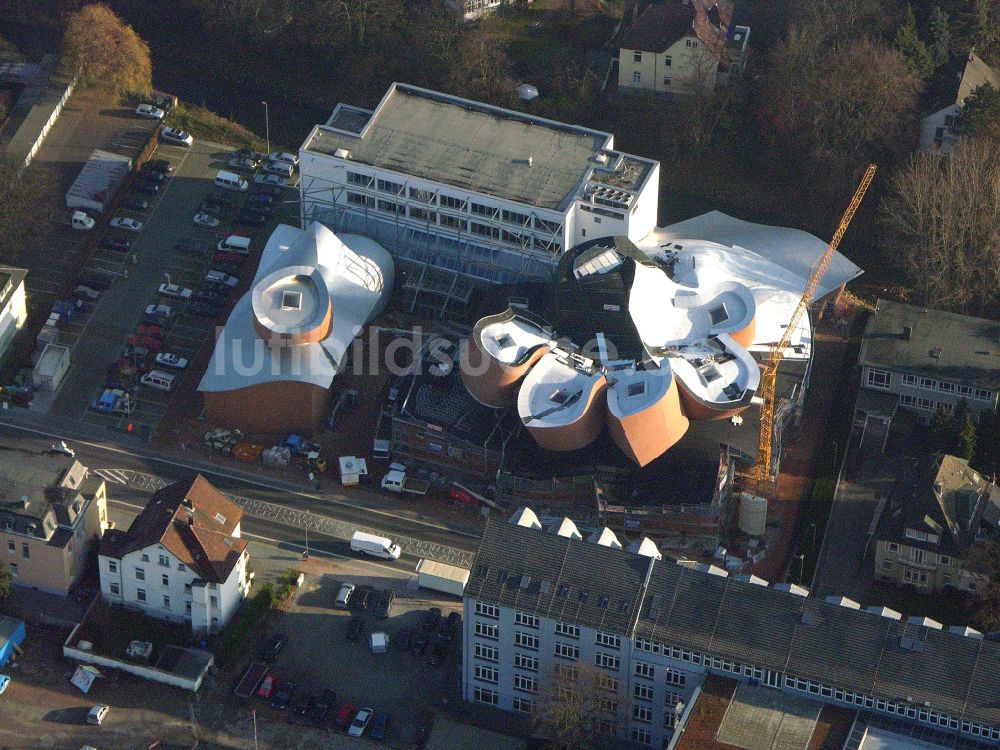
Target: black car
column 144, row 186
column 205, row 309
column 212, row 298
column 432, row 619
column 97, row 282
column 223, row 290
column 160, row 165
column 135, row 203
column 356, row 628
column 361, row 599
column 273, row 190
column 303, row 705
column 376, row 730
column 321, row 709
column 272, row 647
column 251, row 219
column 403, row 639
column 283, row 695
column 152, row 175
column 112, row 243
column 212, row 209
column 448, row 627
column 259, row 208
column 439, row 653
column 383, row 604
column 418, row 645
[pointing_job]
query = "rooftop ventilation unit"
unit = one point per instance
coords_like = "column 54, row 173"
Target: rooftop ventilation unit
column 842, row 601
column 750, row 578
column 791, row 588
column 605, row 538
column 342, row 153
column 526, row 517
column 566, row 528
column 645, row 547
column 966, row 631
column 563, row 590
column 583, row 596
column 924, row 622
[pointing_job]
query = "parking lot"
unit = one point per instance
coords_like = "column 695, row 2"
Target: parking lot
column 320, row 655
column 170, row 249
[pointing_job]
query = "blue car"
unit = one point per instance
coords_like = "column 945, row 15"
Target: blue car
column 376, row 730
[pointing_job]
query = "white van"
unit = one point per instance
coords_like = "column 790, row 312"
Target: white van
column 235, row 243
column 158, row 379
column 376, row 546
column 230, row 181
column 82, row 220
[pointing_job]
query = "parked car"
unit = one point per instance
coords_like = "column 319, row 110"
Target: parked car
column 205, row 310
column 250, row 219
column 152, row 175
column 344, row 595
column 211, row 297
column 378, row 726
column 432, row 619
column 345, row 715
column 97, row 714
column 303, row 705
column 212, row 209
column 223, row 290
column 249, row 153
column 283, row 695
column 147, row 344
column 439, row 653
column 116, row 244
column 355, row 628
column 149, row 112
column 86, row 292
column 403, row 636
column 203, row 219
column 272, row 647
column 270, row 179
column 176, row 291
column 384, row 604
column 150, row 329
column 324, row 704
column 242, row 164
column 145, row 186
column 176, row 137
column 135, row 203
column 267, row 686
column 361, row 599
column 448, row 627
column 160, row 165
column 164, row 311
column 218, row 277
column 171, row 360
column 418, row 645
column 360, row 723
column 262, row 189
column 259, row 197
column 126, row 223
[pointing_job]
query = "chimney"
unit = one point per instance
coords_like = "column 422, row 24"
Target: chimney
column 907, row 331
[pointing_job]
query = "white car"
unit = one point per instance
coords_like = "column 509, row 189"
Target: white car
column 271, row 179
column 124, row 222
column 173, row 290
column 360, row 723
column 96, row 714
column 150, row 112
column 164, row 311
column 284, row 157
column 220, row 277
column 171, row 360
column 61, row 447
column 176, row 137
column 205, row 220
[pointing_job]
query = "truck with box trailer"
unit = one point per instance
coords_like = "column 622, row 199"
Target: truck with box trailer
column 439, row 576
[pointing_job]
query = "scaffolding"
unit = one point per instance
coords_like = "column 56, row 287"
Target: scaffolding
column 440, row 265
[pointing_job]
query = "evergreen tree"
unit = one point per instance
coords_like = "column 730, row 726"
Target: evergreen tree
column 941, row 429
column 940, row 31
column 913, row 49
column 967, row 438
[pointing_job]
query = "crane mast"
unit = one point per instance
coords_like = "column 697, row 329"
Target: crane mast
column 760, row 480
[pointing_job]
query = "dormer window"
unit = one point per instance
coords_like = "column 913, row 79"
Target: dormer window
column 291, row 300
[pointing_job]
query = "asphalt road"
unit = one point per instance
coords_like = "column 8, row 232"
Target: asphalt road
column 273, row 514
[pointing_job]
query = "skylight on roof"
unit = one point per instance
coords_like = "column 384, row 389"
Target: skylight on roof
column 636, row 389
column 607, row 261
column 563, row 590
column 291, row 300
column 710, row 373
column 718, row 315
column 559, row 396
column 220, row 518
column 504, row 340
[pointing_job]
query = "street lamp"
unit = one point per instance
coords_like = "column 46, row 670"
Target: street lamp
column 802, row 562
column 267, row 127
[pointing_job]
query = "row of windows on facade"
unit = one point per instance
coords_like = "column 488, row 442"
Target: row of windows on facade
column 776, row 680
column 882, row 380
column 637, row 78
column 140, row 594
column 565, row 629
column 667, row 59
column 546, row 243
column 919, row 556
column 25, row 549
column 454, row 203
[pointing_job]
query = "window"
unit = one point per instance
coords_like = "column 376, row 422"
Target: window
column 526, row 640
column 140, row 574
column 523, row 705
column 982, row 395
column 667, row 80
column 946, row 387
column 513, row 217
column 115, row 589
column 166, row 602
column 608, row 639
column 356, row 178
column 112, row 565
column 945, row 560
column 568, row 671
column 608, row 683
column 965, row 391
column 642, row 713
column 25, row 551
column 482, row 209
column 140, row 594
column 525, row 684
column 358, row 199
column 675, row 677
column 637, row 56
column 450, row 201
column 643, row 692
column 608, row 661
column 523, row 618
column 487, row 653
column 910, row 380
column 570, row 631
column 488, row 630
column 214, row 600
column 487, row 674
column 928, row 384
column 893, row 547
column 187, row 608
column 422, row 214
column 424, row 196
column 636, row 77
column 453, row 222
column 483, row 230
column 487, row 610
column 187, row 588
column 181, row 566
column 567, row 650
column 668, row 61
column 390, row 187
column 525, row 662
column 390, row 207
column 887, row 565
column 690, row 43
column 12, row 548
column 145, row 557
column 165, row 580
column 482, row 695
column 880, row 379
column 643, row 669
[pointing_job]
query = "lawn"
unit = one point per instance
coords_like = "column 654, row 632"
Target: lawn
column 112, row 628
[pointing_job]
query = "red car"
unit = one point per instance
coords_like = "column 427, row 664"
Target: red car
column 345, row 715
column 267, row 686
column 146, row 342
column 146, row 329
column 227, row 258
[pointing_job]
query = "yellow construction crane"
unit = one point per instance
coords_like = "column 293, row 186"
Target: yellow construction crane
column 761, row 478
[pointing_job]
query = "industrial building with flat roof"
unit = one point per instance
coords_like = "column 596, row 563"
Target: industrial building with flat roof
column 465, row 193
column 654, row 630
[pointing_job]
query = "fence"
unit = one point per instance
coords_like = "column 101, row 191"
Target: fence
column 47, row 126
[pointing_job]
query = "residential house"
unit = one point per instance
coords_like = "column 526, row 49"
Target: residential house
column 948, row 93
column 182, row 559
column 52, row 513
column 676, row 47
column 473, row 9
column 929, row 524
column 544, row 601
column 917, row 360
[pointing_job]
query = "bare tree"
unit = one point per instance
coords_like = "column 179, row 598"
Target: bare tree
column 943, row 222
column 107, row 52
column 579, row 708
